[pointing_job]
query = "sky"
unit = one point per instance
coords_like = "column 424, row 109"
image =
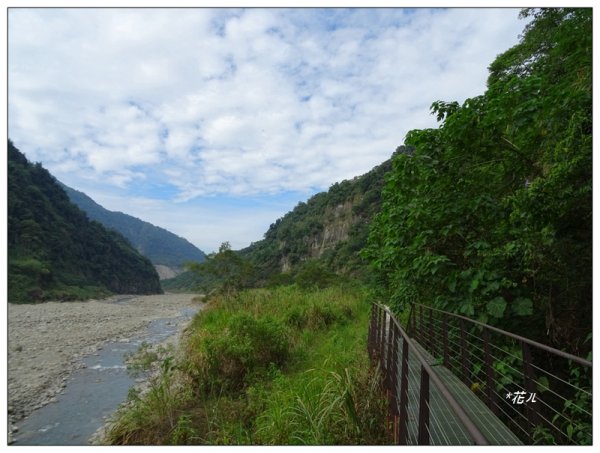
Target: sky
column 213, row 123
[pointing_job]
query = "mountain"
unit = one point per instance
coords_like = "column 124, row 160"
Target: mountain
column 167, row 251
column 330, row 228
column 56, row 252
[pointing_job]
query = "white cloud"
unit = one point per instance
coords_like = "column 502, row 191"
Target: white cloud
column 236, row 102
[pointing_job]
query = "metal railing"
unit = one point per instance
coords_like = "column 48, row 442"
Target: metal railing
column 542, row 394
column 418, row 413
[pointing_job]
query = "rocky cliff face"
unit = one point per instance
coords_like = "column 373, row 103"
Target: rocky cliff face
column 166, row 272
column 337, row 223
column 331, row 226
column 336, row 228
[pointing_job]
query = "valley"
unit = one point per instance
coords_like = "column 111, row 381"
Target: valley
column 487, row 218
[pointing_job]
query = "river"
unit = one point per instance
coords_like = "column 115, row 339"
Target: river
column 100, row 381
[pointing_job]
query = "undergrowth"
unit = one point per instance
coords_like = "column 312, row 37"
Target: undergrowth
column 279, row 366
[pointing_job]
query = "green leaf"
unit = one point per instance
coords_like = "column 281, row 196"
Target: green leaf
column 543, row 384
column 467, row 309
column 496, row 307
column 452, row 284
column 483, row 318
column 522, row 306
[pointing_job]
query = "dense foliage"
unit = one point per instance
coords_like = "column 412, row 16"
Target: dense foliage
column 491, row 214
column 331, row 227
column 225, row 271
column 185, row 282
column 157, row 244
column 55, row 252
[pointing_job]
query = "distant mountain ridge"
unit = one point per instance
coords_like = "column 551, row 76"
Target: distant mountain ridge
column 55, row 252
column 160, row 246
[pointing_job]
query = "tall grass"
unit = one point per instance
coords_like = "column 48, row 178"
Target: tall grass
column 279, row 366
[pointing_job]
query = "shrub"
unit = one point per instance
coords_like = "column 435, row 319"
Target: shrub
column 229, row 358
column 314, row 275
column 296, row 317
column 282, row 279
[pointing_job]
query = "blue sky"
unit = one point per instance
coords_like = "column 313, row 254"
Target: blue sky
column 212, row 123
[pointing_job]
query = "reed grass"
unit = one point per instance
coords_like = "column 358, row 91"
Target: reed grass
column 277, row 366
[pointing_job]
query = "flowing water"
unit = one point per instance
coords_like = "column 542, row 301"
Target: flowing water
column 93, row 393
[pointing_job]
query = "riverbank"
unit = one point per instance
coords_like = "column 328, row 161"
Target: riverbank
column 277, row 366
column 47, row 342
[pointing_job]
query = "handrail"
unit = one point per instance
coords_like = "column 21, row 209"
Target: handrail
column 541, row 346
column 473, row 431
column 379, row 333
column 543, row 397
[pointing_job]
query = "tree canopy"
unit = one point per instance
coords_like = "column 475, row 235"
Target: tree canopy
column 226, row 271
column 491, row 214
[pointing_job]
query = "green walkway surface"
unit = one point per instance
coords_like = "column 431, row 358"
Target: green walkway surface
column 445, row 427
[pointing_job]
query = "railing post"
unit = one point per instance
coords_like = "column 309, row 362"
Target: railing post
column 375, row 331
column 371, row 332
column 463, row 352
column 489, row 372
column 412, row 318
column 382, row 341
column 388, row 353
column 445, row 334
column 394, row 377
column 529, row 375
column 420, row 328
column 403, row 431
column 423, row 436
column 431, row 336
column 393, row 384
column 388, row 367
column 380, row 314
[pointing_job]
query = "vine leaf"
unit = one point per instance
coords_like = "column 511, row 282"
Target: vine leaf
column 496, row 307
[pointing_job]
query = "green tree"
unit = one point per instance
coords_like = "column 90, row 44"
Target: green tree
column 228, row 270
column 490, row 214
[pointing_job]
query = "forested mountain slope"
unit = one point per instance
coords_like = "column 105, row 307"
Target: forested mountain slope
column 55, row 252
column 331, row 228
column 157, row 244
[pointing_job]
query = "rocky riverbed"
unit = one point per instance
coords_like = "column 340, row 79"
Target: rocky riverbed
column 47, row 342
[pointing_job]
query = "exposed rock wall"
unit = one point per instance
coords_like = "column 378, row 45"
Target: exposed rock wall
column 336, row 228
column 165, row 272
column 337, row 223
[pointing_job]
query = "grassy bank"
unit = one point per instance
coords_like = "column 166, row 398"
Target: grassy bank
column 280, row 366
